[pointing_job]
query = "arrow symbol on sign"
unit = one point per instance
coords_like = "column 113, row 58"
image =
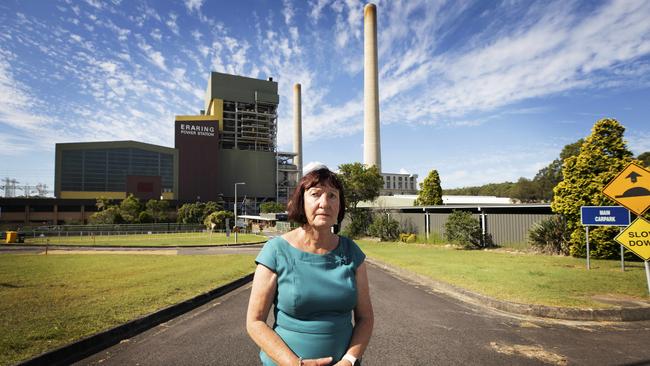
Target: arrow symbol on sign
column 633, row 176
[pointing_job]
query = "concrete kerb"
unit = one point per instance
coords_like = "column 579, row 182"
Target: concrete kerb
column 555, row 312
column 90, row 345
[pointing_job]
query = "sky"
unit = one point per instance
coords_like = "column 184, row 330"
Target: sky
column 482, row 91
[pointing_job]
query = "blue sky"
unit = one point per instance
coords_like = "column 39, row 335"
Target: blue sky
column 482, row 91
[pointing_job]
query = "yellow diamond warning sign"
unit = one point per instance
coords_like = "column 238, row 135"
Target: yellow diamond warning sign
column 636, row 238
column 631, row 188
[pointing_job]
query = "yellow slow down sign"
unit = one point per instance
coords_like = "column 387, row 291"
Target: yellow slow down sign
column 636, row 238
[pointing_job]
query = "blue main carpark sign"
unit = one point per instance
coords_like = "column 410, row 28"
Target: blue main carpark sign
column 604, row 216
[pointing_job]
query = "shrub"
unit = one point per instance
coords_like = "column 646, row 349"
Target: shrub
column 550, row 236
column 407, row 238
column 360, row 219
column 384, row 227
column 461, row 228
column 145, row 217
column 219, row 219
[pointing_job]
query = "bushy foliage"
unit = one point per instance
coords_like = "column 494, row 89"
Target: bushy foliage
column 461, row 228
column 430, row 191
column 130, row 209
column 644, row 158
column 109, row 215
column 407, row 238
column 145, row 217
column 360, row 183
column 550, row 236
column 602, row 156
column 360, row 220
column 384, row 227
column 272, row 207
column 219, row 219
column 157, row 210
column 195, row 213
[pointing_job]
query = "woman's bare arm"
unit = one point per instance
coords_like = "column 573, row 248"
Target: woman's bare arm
column 364, row 318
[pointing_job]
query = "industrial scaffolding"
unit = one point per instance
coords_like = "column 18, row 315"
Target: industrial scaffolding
column 249, row 126
column 287, row 176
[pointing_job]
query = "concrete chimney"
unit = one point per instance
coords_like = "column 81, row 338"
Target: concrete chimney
column 371, row 138
column 297, row 128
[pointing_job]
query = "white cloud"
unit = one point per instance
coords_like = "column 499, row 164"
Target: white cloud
column 156, row 34
column 193, row 5
column 287, row 11
column 316, row 9
column 171, row 23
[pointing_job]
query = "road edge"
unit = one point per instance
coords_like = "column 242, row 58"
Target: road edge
column 97, row 342
column 620, row 314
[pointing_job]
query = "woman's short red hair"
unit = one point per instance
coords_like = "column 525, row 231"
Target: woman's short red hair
column 323, row 176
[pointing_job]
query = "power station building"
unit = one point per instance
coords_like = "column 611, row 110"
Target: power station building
column 232, row 140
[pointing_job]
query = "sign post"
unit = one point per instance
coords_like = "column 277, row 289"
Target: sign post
column 636, row 238
column 603, row 216
column 631, row 188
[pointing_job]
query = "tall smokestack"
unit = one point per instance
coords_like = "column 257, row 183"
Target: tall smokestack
column 297, row 128
column 371, row 140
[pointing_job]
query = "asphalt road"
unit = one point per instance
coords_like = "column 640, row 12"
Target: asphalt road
column 413, row 326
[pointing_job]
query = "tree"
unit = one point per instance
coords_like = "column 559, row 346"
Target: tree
column 195, row 213
column 272, row 207
column 360, row 183
column 157, row 210
column 645, row 159
column 603, row 154
column 110, row 215
column 430, row 190
column 103, row 203
column 130, row 209
column 219, row 219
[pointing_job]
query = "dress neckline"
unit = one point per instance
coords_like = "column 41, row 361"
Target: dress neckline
column 338, row 245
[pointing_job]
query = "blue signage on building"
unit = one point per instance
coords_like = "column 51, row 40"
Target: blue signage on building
column 604, row 216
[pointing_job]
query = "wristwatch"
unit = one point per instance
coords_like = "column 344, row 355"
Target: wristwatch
column 352, row 359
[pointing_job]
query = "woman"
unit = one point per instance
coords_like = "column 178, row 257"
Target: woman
column 315, row 279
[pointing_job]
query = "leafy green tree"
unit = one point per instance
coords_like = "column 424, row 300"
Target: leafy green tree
column 219, row 219
column 360, row 183
column 195, row 213
column 210, row 207
column 430, row 190
column 130, row 209
column 645, row 159
column 602, row 156
column 190, row 213
column 103, row 203
column 110, row 215
column 157, row 210
column 272, row 207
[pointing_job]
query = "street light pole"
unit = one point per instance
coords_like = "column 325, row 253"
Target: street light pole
column 236, row 227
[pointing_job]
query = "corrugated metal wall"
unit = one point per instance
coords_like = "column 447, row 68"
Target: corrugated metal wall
column 511, row 228
column 507, row 226
column 414, row 220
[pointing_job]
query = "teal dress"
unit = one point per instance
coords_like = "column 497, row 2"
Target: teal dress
column 315, row 297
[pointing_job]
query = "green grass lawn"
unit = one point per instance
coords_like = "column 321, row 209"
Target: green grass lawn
column 50, row 301
column 172, row 239
column 518, row 277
